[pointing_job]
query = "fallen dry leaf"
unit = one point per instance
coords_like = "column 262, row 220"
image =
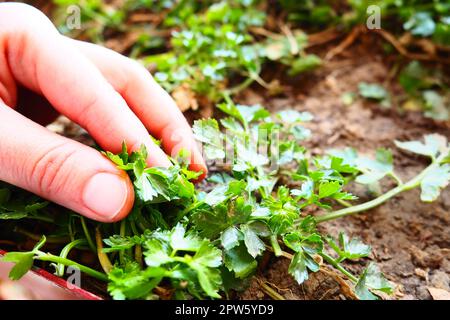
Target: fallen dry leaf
column 185, row 98
column 439, row 294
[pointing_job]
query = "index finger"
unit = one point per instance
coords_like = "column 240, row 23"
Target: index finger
column 151, row 103
column 42, row 60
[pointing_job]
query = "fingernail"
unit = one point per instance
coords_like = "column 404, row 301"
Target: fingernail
column 106, row 195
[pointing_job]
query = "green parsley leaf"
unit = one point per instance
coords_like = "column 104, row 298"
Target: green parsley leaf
column 349, row 248
column 372, row 279
column 433, row 182
column 207, row 131
column 372, row 91
column 433, row 146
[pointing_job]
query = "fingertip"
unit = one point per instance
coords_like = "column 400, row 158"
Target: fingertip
column 157, row 157
column 108, row 197
column 129, row 202
column 199, row 168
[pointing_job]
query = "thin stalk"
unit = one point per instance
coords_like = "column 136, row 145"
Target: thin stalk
column 122, row 232
column 344, row 203
column 240, row 87
column 270, row 292
column 65, row 252
column 192, row 207
column 275, row 245
column 285, row 254
column 396, row 178
column 138, row 255
column 41, row 218
column 102, row 257
column 259, row 80
column 335, row 264
column 411, row 184
column 87, row 235
column 134, row 228
column 42, row 256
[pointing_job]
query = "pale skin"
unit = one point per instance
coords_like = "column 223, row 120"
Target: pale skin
column 43, row 74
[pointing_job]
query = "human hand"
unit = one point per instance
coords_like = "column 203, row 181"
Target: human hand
column 112, row 97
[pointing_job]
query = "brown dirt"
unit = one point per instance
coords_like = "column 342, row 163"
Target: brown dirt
column 410, row 239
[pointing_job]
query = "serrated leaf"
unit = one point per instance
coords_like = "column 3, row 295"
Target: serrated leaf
column 433, row 182
column 207, row 131
column 216, row 196
column 348, row 155
column 304, row 63
column 240, row 261
column 208, row 255
column 130, row 282
column 180, row 240
column 245, row 114
column 351, row 249
column 300, row 132
column 156, row 253
column 252, row 113
column 373, row 279
column 117, row 243
column 372, row 91
column 230, row 238
column 292, row 116
column 374, row 170
column 420, row 24
column 231, row 124
column 306, row 191
column 299, row 266
column 434, row 144
column 327, row 189
column 23, row 263
column 254, row 244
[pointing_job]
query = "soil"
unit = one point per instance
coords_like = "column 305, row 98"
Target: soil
column 410, row 239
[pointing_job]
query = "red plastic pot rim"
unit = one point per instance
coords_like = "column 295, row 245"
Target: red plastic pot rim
column 49, row 286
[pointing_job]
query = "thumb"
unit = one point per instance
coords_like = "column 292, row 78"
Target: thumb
column 61, row 170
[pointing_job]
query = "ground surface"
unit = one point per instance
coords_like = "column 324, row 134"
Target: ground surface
column 410, row 239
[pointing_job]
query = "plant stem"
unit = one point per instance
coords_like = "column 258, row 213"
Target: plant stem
column 411, row 184
column 102, row 257
column 239, row 87
column 270, row 292
column 87, row 235
column 193, row 206
column 396, row 178
column 65, row 252
column 42, row 256
column 41, row 218
column 122, row 232
column 344, row 203
column 275, row 245
column 335, row 264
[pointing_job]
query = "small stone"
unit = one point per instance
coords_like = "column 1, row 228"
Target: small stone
column 439, row 294
column 440, row 279
column 421, row 273
column 422, row 293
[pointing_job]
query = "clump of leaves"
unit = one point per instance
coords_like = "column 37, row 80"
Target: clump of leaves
column 184, row 243
column 426, row 91
column 374, row 91
column 211, row 47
